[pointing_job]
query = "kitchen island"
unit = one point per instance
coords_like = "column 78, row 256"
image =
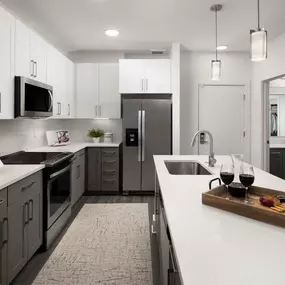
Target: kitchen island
column 216, row 247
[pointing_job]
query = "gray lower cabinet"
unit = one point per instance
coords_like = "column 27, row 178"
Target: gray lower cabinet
column 94, row 169
column 25, row 216
column 77, row 176
column 3, row 237
column 277, row 162
column 103, row 169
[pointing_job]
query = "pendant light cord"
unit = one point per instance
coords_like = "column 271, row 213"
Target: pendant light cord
column 216, row 19
column 258, row 14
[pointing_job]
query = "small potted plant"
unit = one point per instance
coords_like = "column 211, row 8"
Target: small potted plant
column 95, row 135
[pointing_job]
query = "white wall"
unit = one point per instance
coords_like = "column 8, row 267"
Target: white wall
column 23, row 134
column 272, row 67
column 195, row 70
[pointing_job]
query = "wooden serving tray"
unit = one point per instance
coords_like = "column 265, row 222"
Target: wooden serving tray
column 216, row 198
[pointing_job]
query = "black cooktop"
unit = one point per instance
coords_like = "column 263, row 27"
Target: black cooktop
column 47, row 158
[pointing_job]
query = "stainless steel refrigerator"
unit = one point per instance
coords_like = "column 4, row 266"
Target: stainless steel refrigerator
column 147, row 131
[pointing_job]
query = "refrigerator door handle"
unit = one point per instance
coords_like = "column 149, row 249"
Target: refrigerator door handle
column 143, row 135
column 139, row 135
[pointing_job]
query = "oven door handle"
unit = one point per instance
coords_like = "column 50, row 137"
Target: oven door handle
column 60, row 172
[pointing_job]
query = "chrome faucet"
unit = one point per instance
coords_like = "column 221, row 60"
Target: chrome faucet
column 212, row 160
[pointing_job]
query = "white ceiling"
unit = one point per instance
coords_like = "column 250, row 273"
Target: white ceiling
column 147, row 24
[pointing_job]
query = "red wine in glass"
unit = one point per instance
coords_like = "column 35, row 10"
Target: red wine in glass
column 246, row 177
column 227, row 175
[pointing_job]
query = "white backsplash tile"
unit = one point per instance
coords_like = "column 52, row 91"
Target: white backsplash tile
column 22, row 134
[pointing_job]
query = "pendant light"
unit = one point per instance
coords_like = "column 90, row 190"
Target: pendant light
column 216, row 64
column 258, row 41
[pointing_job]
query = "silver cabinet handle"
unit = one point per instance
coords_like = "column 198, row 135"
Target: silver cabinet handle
column 32, row 207
column 142, row 84
column 68, row 109
column 146, row 85
column 143, row 135
column 28, row 186
column 5, row 240
column 139, row 134
column 110, row 180
column 36, row 69
column 32, row 68
column 100, row 109
column 26, row 211
column 60, row 108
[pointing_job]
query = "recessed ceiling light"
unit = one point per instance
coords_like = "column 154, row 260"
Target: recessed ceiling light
column 222, row 47
column 111, row 33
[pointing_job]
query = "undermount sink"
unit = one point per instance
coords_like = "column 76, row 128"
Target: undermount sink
column 186, row 168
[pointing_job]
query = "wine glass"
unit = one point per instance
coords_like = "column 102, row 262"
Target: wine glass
column 227, row 175
column 246, row 177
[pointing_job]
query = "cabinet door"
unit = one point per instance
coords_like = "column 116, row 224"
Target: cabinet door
column 35, row 226
column 81, row 173
column 163, row 249
column 109, row 96
column 276, row 162
column 69, row 110
column 157, row 76
column 56, row 77
column 17, row 233
column 94, row 169
column 4, row 237
column 23, row 62
column 87, row 90
column 6, row 79
column 39, row 56
column 131, row 75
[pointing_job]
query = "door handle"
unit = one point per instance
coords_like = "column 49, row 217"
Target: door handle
column 68, row 109
column 32, row 68
column 36, row 69
column 141, row 84
column 58, row 109
column 28, row 186
column 146, row 84
column 26, row 213
column 32, row 207
column 139, row 134
column 100, row 109
column 5, row 240
column 143, row 135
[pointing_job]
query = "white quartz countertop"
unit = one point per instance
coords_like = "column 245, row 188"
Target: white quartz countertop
column 73, row 147
column 277, row 145
column 213, row 246
column 10, row 174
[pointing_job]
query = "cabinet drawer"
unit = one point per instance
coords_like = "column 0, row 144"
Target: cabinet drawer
column 110, row 164
column 109, row 172
column 110, row 152
column 110, row 184
column 27, row 187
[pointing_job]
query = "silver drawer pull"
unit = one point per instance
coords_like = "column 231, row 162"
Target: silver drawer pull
column 110, row 180
column 111, row 161
column 28, row 186
column 109, row 171
column 109, row 152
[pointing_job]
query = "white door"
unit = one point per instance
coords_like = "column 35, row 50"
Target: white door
column 132, row 75
column 23, row 62
column 109, row 96
column 87, row 90
column 221, row 111
column 157, row 76
column 6, row 81
column 39, row 56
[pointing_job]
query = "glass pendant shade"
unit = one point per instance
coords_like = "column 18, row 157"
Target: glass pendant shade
column 216, row 70
column 258, row 41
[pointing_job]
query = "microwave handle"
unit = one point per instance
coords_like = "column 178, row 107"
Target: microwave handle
column 51, row 101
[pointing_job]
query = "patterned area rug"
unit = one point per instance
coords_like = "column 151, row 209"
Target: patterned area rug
column 106, row 244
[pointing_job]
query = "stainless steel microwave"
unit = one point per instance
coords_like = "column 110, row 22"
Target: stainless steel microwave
column 32, row 98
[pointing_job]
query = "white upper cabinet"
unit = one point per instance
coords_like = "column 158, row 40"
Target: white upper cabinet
column 145, row 76
column 109, row 96
column 30, row 54
column 56, row 77
column 69, row 102
column 87, row 90
column 97, row 90
column 7, row 23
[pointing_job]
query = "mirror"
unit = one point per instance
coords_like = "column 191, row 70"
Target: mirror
column 277, row 107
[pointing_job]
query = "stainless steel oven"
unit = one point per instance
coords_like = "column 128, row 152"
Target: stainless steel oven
column 58, row 193
column 32, row 98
